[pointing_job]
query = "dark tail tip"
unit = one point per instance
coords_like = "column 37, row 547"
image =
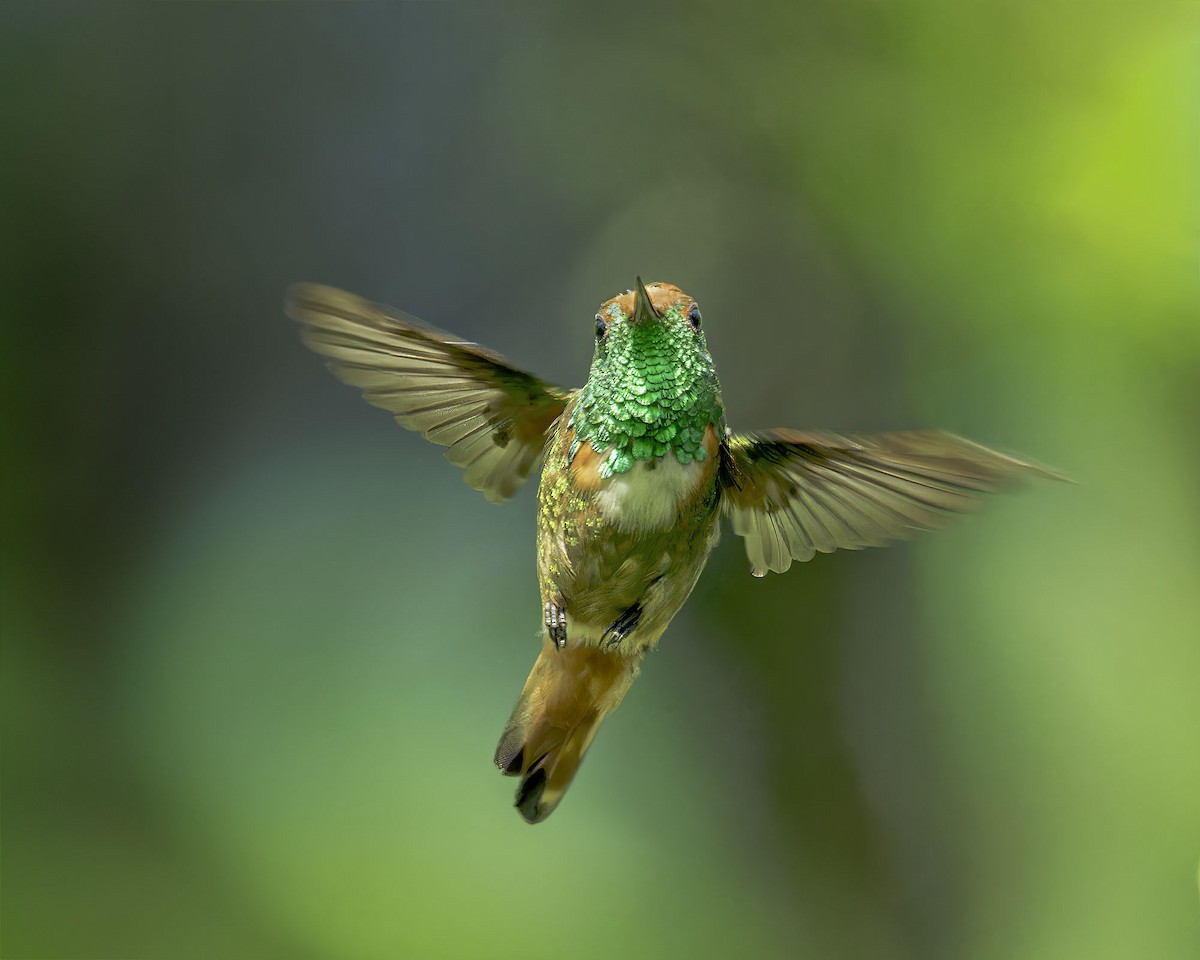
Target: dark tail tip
column 529, row 797
column 514, row 766
column 510, row 754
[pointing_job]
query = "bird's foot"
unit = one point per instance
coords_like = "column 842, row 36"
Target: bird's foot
column 620, row 628
column 555, row 618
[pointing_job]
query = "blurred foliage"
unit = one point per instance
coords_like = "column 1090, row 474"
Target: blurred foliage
column 258, row 643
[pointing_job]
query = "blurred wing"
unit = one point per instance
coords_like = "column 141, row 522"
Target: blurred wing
column 492, row 417
column 790, row 494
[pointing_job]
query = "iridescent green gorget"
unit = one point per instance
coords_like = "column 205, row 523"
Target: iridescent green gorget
column 652, row 390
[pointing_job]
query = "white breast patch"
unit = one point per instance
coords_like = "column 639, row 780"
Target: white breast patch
column 648, row 495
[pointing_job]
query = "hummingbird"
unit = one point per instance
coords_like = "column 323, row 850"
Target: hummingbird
column 637, row 469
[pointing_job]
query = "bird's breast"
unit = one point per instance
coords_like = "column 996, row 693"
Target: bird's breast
column 653, row 493
column 650, row 494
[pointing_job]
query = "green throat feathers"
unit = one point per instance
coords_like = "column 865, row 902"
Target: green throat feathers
column 652, row 390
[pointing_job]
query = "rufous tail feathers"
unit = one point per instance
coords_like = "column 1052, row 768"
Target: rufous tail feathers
column 568, row 693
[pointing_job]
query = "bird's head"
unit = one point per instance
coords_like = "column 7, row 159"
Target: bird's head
column 652, row 386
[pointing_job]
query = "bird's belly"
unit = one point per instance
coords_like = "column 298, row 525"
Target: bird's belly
column 648, row 496
column 655, row 570
column 640, row 538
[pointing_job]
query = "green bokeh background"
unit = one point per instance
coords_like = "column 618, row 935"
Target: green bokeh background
column 258, row 643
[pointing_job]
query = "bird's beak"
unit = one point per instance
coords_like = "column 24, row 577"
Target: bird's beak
column 643, row 309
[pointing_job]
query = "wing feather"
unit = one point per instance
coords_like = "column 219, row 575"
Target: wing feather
column 492, row 417
column 791, row 495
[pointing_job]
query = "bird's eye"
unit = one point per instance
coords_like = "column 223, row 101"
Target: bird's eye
column 601, row 327
column 694, row 316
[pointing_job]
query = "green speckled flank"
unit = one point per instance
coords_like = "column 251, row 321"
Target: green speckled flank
column 652, row 390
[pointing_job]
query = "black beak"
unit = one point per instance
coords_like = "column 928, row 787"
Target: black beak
column 643, row 309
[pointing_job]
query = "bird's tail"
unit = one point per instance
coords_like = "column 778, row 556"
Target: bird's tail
column 568, row 693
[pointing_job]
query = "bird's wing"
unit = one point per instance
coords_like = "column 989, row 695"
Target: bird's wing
column 791, row 494
column 492, row 417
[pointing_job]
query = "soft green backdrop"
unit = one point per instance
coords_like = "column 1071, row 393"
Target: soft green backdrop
column 258, row 642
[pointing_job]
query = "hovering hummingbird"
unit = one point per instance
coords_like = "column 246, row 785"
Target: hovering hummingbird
column 638, row 467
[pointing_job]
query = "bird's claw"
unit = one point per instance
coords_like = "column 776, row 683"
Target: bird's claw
column 620, row 628
column 555, row 618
